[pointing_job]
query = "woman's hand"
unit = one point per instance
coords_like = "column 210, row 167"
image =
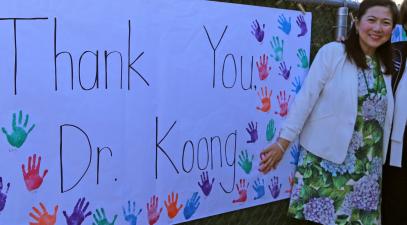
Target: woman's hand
column 272, row 155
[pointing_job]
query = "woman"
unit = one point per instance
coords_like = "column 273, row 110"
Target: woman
column 343, row 117
column 394, row 204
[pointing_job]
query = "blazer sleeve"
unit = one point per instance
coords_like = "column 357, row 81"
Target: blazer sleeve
column 319, row 73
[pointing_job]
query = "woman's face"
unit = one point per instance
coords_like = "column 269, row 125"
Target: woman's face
column 374, row 28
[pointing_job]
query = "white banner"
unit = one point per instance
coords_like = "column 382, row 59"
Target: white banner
column 135, row 112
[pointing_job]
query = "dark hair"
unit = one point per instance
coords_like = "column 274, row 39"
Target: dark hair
column 383, row 52
column 403, row 13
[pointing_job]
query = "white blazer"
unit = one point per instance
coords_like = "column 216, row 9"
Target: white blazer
column 324, row 112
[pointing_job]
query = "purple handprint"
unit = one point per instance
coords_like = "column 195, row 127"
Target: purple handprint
column 206, row 186
column 302, row 25
column 3, row 196
column 257, row 32
column 284, row 71
column 275, row 187
column 79, row 213
column 252, row 130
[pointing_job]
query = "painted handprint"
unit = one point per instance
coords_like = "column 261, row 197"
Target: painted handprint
column 284, row 72
column 171, row 205
column 302, row 56
column 43, row 218
column 296, row 85
column 32, row 177
column 19, row 133
column 283, row 103
column 275, row 187
column 271, row 130
column 259, row 188
column 252, row 130
column 101, row 219
column 284, row 24
column 3, row 196
column 79, row 213
column 278, row 48
column 244, row 162
column 395, row 36
column 130, row 215
column 242, row 191
column 265, row 100
column 264, row 71
column 153, row 214
column 295, row 154
column 291, row 182
column 191, row 206
column 302, row 25
column 205, row 185
column 257, row 31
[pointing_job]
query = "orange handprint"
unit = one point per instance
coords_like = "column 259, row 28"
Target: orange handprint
column 171, row 206
column 265, row 100
column 291, row 182
column 43, row 218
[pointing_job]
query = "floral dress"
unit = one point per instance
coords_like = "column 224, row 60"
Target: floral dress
column 349, row 193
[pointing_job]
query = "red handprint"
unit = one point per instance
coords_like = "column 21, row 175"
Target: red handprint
column 265, row 100
column 262, row 68
column 32, row 178
column 242, row 190
column 291, row 182
column 43, row 218
column 152, row 213
column 283, row 103
column 171, row 206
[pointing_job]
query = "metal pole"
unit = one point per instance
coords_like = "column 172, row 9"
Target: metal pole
column 341, row 23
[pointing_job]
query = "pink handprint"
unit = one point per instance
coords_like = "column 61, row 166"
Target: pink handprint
column 242, row 190
column 44, row 218
column 152, row 212
column 265, row 100
column 32, row 178
column 264, row 71
column 283, row 103
column 171, row 205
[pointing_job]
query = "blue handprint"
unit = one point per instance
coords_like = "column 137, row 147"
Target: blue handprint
column 296, row 85
column 259, row 188
column 130, row 215
column 295, row 154
column 19, row 134
column 278, row 48
column 284, row 25
column 191, row 206
column 244, row 162
column 396, row 34
column 257, row 32
column 252, row 130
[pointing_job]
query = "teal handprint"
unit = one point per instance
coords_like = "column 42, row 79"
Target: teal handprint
column 101, row 219
column 271, row 130
column 19, row 134
column 302, row 56
column 277, row 47
column 244, row 162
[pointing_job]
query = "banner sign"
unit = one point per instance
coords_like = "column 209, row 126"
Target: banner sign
column 136, row 112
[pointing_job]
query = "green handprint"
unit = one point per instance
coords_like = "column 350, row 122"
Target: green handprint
column 101, row 219
column 271, row 130
column 302, row 56
column 19, row 134
column 244, row 161
column 277, row 48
